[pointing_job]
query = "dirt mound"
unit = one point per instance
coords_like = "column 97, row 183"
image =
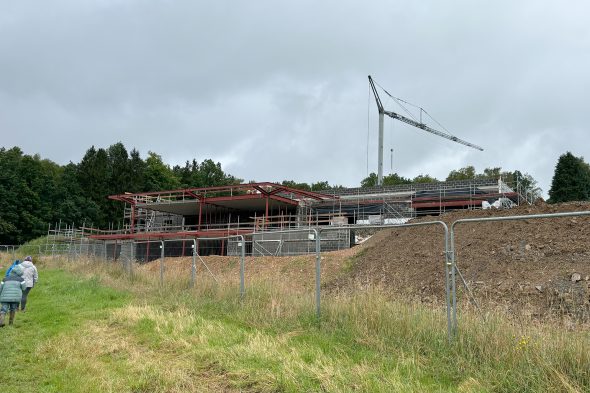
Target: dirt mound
column 525, row 266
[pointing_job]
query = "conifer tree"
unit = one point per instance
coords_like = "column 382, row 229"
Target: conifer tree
column 571, row 180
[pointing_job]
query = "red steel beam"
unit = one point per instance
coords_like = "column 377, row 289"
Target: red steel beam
column 122, row 198
column 132, row 217
column 265, row 214
column 200, row 213
column 284, row 200
column 196, row 191
column 233, row 198
column 169, row 235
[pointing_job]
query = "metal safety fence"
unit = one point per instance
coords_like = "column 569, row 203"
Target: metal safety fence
column 306, row 240
column 456, row 272
column 444, row 264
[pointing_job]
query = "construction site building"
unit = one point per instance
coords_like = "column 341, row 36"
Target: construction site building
column 271, row 216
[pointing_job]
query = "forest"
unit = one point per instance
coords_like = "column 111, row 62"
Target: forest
column 35, row 191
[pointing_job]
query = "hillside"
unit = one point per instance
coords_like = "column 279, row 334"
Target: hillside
column 523, row 267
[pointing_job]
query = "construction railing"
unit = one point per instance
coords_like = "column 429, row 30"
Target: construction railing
column 453, row 254
column 310, row 240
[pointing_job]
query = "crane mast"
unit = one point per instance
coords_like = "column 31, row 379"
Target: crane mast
column 409, row 121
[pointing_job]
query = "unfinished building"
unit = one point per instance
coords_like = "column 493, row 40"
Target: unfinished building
column 269, row 215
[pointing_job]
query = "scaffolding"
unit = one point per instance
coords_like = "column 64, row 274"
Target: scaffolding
column 247, row 210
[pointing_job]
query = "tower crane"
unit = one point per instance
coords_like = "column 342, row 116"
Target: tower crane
column 409, row 121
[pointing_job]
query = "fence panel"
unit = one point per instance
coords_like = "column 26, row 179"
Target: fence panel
column 445, row 265
column 522, row 248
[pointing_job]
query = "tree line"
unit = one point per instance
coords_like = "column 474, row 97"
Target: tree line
column 465, row 173
column 35, row 191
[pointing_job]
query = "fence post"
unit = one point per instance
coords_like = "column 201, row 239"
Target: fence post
column 242, row 267
column 162, row 263
column 453, row 281
column 132, row 259
column 194, row 265
column 318, row 272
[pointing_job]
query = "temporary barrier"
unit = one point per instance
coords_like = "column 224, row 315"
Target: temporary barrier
column 446, row 263
column 482, row 220
column 313, row 236
column 242, row 246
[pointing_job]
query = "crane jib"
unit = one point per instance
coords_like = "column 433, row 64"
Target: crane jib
column 406, row 120
column 424, row 127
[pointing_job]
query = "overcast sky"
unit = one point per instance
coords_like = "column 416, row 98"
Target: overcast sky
column 278, row 90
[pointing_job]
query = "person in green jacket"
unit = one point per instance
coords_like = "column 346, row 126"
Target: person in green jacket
column 11, row 292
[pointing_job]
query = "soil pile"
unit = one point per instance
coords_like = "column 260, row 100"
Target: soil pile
column 532, row 267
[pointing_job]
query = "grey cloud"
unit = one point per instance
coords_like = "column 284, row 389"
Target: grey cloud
column 279, row 90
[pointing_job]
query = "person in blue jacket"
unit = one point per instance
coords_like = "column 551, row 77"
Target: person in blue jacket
column 11, row 292
column 17, row 262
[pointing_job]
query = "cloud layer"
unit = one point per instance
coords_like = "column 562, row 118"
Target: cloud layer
column 279, row 90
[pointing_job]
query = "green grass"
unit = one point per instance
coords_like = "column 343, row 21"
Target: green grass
column 87, row 334
column 59, row 305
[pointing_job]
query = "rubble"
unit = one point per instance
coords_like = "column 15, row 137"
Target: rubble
column 576, row 277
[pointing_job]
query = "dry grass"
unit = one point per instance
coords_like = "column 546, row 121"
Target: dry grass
column 172, row 338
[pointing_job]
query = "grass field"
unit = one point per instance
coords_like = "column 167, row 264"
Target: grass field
column 92, row 328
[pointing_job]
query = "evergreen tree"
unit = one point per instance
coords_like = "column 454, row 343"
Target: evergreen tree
column 118, row 162
column 75, row 206
column 185, row 174
column 93, row 177
column 118, row 177
column 137, row 168
column 571, row 180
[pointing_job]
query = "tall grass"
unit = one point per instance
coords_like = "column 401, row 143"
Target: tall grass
column 271, row 341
